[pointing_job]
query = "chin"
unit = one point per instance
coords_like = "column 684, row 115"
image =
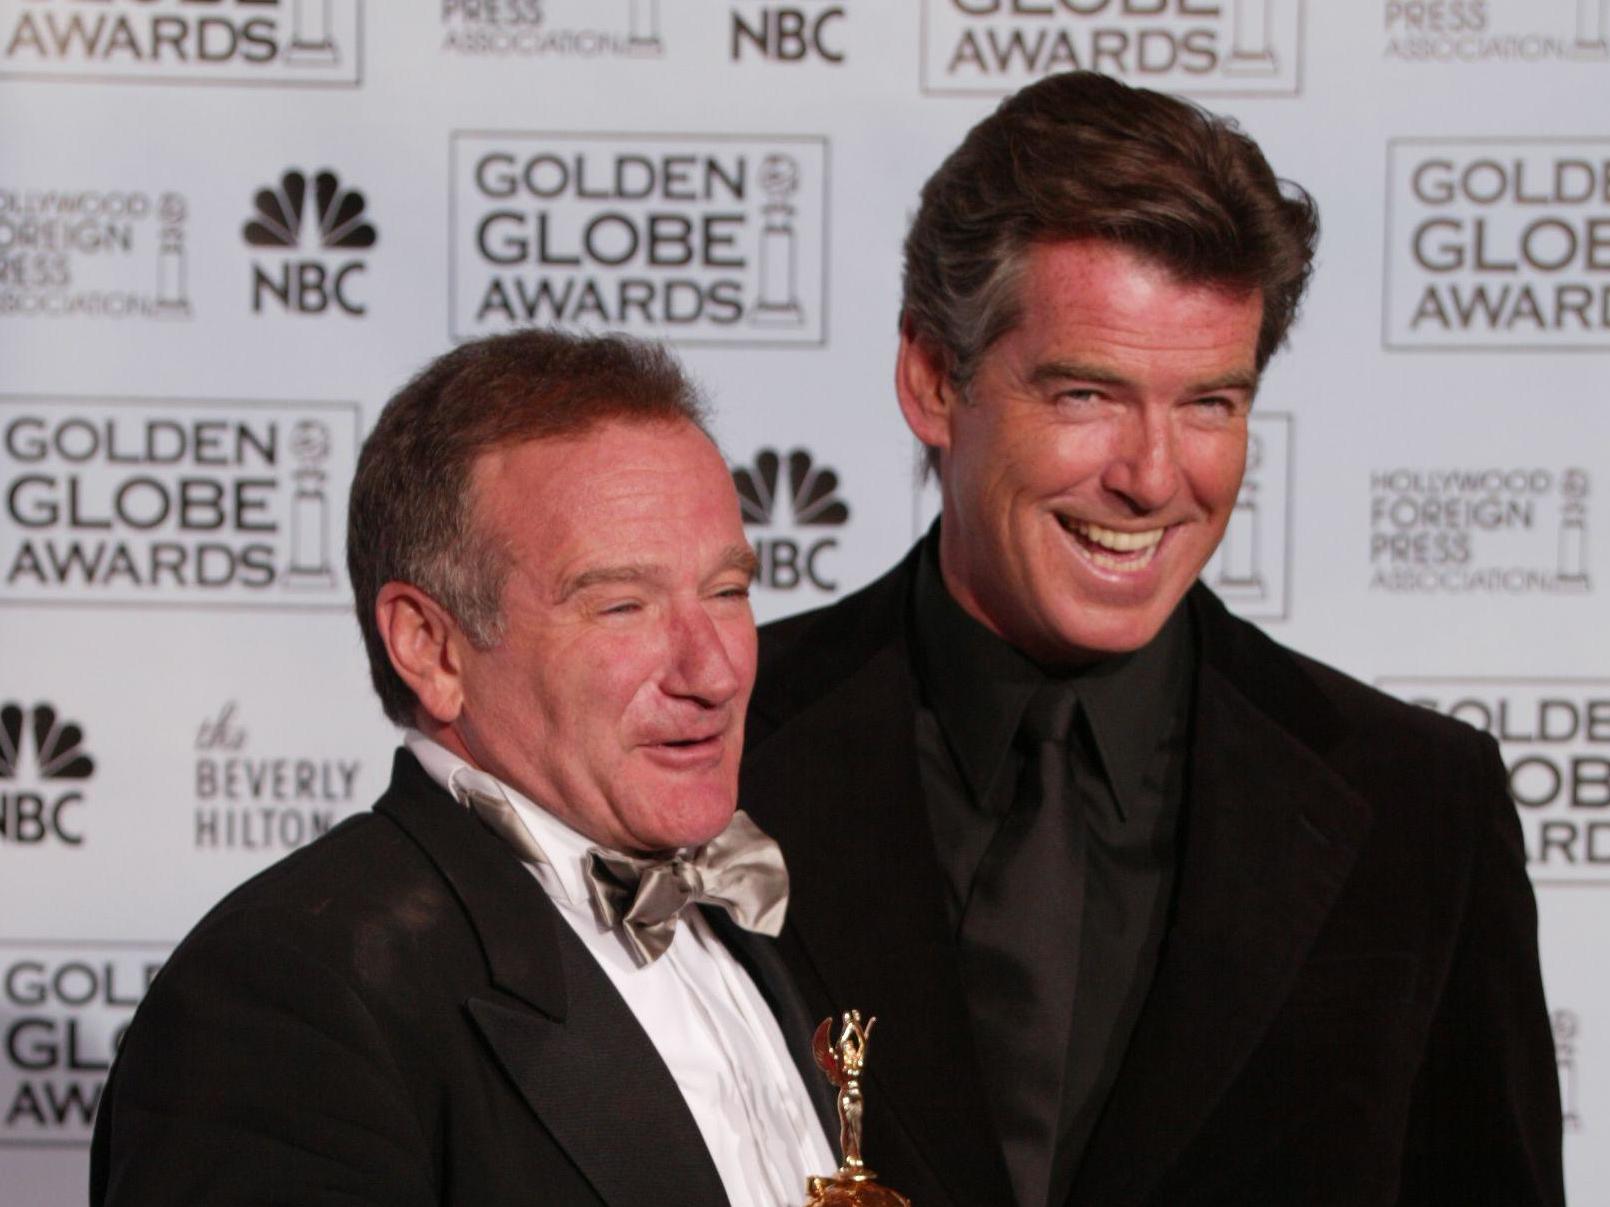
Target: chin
column 1081, row 641
column 690, row 820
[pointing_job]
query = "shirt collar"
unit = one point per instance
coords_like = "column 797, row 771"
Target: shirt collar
column 978, row 685
column 564, row 850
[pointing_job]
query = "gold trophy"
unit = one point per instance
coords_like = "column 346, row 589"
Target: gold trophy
column 854, row 1185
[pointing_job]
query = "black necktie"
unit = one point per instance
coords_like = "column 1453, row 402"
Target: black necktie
column 1019, row 940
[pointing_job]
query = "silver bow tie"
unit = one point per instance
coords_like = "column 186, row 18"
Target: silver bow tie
column 741, row 869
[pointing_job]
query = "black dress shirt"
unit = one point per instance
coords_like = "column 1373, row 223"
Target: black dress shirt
column 1128, row 752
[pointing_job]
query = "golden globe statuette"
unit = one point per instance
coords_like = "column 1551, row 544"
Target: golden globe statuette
column 854, row 1185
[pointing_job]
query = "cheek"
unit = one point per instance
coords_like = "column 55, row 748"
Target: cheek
column 990, row 434
column 499, row 691
column 1030, row 466
column 1214, row 470
column 617, row 702
column 605, row 684
column 743, row 650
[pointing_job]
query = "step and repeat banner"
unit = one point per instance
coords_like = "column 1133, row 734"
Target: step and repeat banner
column 230, row 228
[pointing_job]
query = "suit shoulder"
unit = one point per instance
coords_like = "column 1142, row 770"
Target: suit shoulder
column 1377, row 741
column 785, row 641
column 358, row 901
column 1318, row 700
column 804, row 655
column 328, row 869
column 1432, row 784
column 1376, row 712
column 779, row 638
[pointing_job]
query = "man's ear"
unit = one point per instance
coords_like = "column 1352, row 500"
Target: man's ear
column 426, row 648
column 927, row 395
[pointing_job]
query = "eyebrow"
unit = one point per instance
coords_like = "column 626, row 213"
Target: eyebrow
column 1061, row 370
column 741, row 558
column 630, row 572
column 734, row 557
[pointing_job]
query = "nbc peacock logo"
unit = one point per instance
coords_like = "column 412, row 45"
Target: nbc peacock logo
column 337, row 214
column 325, row 221
column 791, row 561
column 39, row 749
column 812, row 489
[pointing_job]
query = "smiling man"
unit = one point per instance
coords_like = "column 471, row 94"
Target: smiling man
column 491, row 989
column 1152, row 910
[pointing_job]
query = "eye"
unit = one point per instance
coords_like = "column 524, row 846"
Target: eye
column 621, row 607
column 1219, row 406
column 1081, row 402
column 733, row 591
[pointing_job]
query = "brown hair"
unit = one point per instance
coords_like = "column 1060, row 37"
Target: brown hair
column 1081, row 155
column 411, row 517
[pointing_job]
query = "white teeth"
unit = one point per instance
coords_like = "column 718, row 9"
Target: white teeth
column 1111, row 538
column 1116, row 563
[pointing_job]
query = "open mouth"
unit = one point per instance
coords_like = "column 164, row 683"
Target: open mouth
column 691, row 745
column 1111, row 548
column 688, row 754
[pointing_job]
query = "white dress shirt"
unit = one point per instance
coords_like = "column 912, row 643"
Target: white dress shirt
column 697, row 1005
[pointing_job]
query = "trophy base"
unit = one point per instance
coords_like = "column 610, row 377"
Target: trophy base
column 777, row 314
column 852, row 1190
column 1252, row 63
column 1248, row 589
column 308, row 580
column 312, row 54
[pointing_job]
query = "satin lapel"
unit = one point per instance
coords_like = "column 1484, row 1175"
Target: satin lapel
column 602, row 1091
column 765, row 967
column 838, row 787
column 1270, row 836
column 513, row 919
column 568, row 1041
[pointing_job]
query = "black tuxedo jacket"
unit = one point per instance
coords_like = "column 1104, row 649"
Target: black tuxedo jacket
column 1347, row 1007
column 397, row 1015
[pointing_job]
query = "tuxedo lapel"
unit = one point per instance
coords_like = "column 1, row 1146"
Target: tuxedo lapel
column 1270, row 835
column 566, row 1039
column 837, row 786
column 602, row 1091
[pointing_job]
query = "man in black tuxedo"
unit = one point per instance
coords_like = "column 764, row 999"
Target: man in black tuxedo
column 1153, row 911
column 488, row 990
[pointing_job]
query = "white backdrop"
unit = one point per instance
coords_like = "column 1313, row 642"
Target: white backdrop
column 229, row 229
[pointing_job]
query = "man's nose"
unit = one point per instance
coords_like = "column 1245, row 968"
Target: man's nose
column 1144, row 466
column 701, row 667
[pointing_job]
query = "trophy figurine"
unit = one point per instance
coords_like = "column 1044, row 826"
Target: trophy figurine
column 854, row 1185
